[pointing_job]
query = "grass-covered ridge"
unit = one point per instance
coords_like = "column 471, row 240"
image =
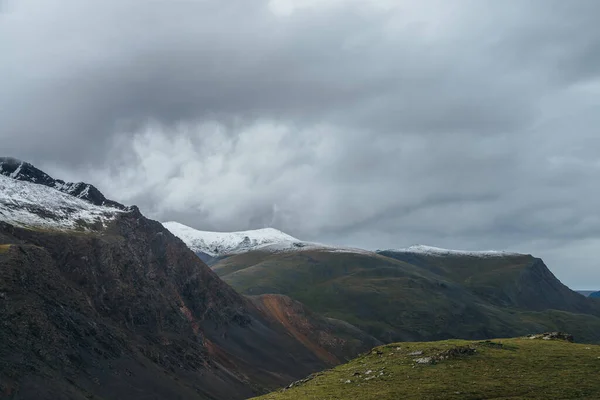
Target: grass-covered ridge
column 394, row 300
column 456, row 369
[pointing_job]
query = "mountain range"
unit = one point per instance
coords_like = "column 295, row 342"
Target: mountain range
column 418, row 293
column 98, row 301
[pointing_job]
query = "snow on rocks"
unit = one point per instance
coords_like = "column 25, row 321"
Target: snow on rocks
column 28, row 204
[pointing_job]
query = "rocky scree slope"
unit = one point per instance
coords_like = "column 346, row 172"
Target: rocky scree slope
column 115, row 306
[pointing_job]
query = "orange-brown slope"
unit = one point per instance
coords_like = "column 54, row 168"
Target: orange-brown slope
column 333, row 341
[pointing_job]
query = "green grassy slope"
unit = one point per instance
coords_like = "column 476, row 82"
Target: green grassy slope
column 500, row 369
column 394, row 300
column 514, row 280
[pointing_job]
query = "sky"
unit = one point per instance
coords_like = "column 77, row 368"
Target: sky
column 469, row 124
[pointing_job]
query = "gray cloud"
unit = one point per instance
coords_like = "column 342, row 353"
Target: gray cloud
column 375, row 124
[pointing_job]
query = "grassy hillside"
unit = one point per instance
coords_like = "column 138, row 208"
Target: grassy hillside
column 395, row 300
column 513, row 280
column 456, row 369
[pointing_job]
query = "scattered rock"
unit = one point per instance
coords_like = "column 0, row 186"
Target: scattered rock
column 446, row 354
column 300, row 382
column 416, row 353
column 425, row 360
column 552, row 336
column 457, row 351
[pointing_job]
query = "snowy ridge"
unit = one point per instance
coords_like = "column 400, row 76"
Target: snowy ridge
column 223, row 243
column 436, row 251
column 24, row 171
column 28, row 204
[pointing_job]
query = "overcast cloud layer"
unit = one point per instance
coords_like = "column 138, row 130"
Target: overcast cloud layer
column 378, row 124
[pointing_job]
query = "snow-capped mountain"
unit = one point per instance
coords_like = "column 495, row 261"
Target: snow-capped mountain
column 436, row 251
column 268, row 239
column 31, row 205
column 24, row 171
column 219, row 243
column 31, row 198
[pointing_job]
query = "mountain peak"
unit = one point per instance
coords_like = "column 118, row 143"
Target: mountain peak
column 10, row 161
column 219, row 243
column 23, row 171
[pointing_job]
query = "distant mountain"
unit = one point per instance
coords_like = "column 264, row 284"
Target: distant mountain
column 97, row 301
column 502, row 278
column 218, row 244
column 420, row 293
column 595, row 294
column 439, row 252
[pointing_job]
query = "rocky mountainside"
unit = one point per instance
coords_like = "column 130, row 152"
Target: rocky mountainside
column 97, row 301
column 595, row 295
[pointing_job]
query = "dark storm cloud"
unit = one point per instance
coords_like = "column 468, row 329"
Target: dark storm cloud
column 370, row 123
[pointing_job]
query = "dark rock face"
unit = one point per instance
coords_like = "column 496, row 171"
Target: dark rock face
column 24, row 171
column 133, row 313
